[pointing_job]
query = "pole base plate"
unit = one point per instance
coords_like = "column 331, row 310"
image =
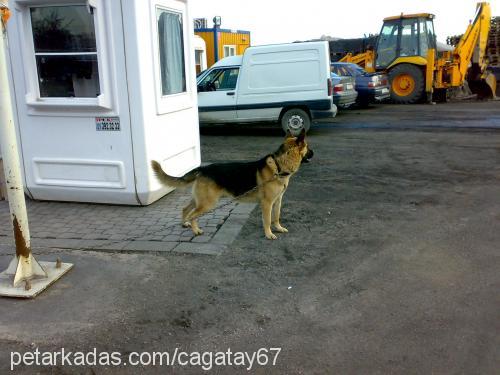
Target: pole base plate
column 37, row 285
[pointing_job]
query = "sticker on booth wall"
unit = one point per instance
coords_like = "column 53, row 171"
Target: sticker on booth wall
column 107, row 124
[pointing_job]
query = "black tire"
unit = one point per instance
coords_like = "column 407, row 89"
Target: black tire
column 419, row 83
column 294, row 120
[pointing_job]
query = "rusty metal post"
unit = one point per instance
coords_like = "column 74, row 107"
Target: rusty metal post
column 24, row 267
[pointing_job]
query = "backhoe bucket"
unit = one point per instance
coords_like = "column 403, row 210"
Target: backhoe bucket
column 486, row 87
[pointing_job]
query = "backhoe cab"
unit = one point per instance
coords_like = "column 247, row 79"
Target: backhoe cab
column 405, row 38
column 402, row 49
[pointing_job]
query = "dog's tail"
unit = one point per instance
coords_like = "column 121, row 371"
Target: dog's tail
column 165, row 179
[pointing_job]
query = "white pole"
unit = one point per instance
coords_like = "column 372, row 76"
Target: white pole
column 24, row 267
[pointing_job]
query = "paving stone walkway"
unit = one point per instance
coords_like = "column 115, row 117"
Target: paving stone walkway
column 156, row 227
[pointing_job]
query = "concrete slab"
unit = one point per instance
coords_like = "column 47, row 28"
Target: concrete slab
column 150, row 246
column 200, row 248
column 230, row 230
column 37, row 285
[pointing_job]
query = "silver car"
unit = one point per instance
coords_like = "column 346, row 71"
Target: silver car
column 371, row 87
column 344, row 94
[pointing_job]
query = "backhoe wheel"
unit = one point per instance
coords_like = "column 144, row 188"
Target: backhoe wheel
column 294, row 120
column 407, row 83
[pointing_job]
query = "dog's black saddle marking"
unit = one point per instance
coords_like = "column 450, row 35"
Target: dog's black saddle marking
column 237, row 178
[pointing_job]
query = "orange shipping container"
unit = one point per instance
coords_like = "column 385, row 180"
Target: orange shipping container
column 227, row 43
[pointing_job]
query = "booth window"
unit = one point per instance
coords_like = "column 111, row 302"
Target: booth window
column 65, row 51
column 171, row 46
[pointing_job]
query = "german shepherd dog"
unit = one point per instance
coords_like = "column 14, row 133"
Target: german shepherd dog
column 264, row 180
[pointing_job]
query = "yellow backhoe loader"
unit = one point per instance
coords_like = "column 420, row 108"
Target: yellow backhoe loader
column 406, row 49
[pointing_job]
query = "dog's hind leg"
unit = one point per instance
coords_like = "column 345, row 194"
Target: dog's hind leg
column 205, row 196
column 185, row 212
column 276, row 215
column 194, row 214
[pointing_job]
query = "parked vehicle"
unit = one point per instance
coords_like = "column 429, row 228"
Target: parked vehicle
column 371, row 87
column 407, row 51
column 288, row 83
column 344, row 94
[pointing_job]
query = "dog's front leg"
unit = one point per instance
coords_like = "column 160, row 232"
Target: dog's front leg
column 276, row 215
column 267, row 206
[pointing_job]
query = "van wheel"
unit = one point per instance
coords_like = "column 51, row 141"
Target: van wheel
column 294, row 120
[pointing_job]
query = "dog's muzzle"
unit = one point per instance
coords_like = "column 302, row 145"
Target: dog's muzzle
column 308, row 156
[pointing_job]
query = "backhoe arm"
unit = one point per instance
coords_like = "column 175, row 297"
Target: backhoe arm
column 472, row 45
column 366, row 60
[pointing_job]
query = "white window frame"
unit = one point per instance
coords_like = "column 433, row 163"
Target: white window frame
column 203, row 59
column 201, row 51
column 231, row 47
column 40, row 105
column 183, row 100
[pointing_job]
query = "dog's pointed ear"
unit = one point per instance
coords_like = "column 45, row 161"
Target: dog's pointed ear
column 301, row 137
column 288, row 135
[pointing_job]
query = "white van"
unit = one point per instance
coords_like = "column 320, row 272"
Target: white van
column 289, row 83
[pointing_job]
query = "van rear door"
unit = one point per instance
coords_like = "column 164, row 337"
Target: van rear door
column 284, row 75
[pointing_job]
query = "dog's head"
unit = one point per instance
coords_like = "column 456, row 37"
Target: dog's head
column 292, row 153
column 299, row 145
column 308, row 156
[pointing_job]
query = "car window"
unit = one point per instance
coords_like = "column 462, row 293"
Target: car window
column 356, row 70
column 340, row 70
column 360, row 69
column 210, row 77
column 221, row 79
column 227, row 80
column 344, row 70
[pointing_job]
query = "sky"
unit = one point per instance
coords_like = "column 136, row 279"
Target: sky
column 281, row 21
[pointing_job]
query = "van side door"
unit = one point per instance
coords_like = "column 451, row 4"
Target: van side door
column 217, row 95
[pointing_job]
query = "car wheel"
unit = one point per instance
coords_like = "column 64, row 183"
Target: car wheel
column 294, row 120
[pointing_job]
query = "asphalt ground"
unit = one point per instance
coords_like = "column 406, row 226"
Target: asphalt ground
column 391, row 263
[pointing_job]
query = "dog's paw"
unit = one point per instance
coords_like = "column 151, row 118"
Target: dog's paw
column 197, row 232
column 186, row 224
column 271, row 236
column 281, row 229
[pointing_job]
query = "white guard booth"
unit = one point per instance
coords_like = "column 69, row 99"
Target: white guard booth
column 102, row 87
